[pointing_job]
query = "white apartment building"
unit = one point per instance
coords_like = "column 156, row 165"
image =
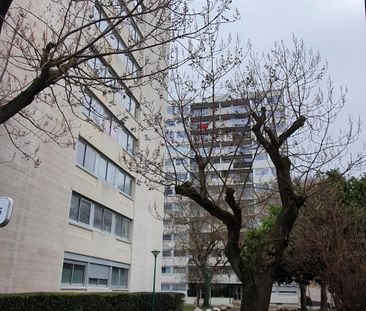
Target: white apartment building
column 247, row 168
column 80, row 221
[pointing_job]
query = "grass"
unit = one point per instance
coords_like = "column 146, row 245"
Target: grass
column 188, row 308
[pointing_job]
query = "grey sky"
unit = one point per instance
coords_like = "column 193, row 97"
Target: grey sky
column 336, row 28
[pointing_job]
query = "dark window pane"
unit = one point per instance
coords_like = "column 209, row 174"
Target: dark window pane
column 115, row 277
column 80, row 151
column 118, row 227
column 102, row 168
column 98, row 216
column 78, row 275
column 107, row 221
column 74, row 208
column 90, row 156
column 123, row 278
column 127, row 189
column 84, row 214
column 111, row 173
column 120, row 180
column 66, row 273
column 125, row 228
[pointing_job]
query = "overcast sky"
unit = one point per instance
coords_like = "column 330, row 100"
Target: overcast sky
column 336, row 28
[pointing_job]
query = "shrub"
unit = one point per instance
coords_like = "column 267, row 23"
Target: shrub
column 90, row 302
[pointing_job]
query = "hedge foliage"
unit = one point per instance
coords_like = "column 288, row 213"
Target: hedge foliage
column 90, row 302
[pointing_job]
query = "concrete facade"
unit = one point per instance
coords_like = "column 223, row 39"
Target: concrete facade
column 71, row 228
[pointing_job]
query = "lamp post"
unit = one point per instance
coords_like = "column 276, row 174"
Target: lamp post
column 155, row 253
column 229, row 275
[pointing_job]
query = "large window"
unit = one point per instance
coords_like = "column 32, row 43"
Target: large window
column 89, row 272
column 114, row 39
column 122, row 227
column 166, row 270
column 119, row 277
column 121, row 95
column 73, row 274
column 97, row 216
column 98, row 165
column 96, row 112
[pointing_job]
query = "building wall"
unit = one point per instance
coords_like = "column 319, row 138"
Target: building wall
column 32, row 244
column 41, row 237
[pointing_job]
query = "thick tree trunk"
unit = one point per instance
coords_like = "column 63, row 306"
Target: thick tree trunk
column 323, row 297
column 303, row 297
column 257, row 292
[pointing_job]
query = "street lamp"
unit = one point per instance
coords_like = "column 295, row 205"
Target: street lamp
column 155, row 253
column 229, row 275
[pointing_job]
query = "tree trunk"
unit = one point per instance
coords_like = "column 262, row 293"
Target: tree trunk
column 206, row 289
column 323, row 297
column 257, row 290
column 302, row 297
column 198, row 294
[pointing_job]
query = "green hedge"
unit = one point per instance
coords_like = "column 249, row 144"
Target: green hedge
column 90, row 302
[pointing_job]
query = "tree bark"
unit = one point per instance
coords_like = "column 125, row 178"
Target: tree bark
column 323, row 297
column 206, row 289
column 303, row 297
column 26, row 97
column 257, row 292
column 198, row 294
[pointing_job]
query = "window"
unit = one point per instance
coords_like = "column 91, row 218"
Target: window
column 166, row 270
column 121, row 94
column 179, row 270
column 263, row 172
column 169, row 191
column 170, row 122
column 79, row 270
column 167, row 237
column 179, row 253
column 73, row 274
column 80, row 210
column 95, row 111
column 98, row 275
column 119, row 277
column 116, row 42
column 122, row 228
column 167, row 253
column 99, row 217
column 179, row 286
column 98, row 165
column 165, row 286
column 261, row 156
column 182, row 176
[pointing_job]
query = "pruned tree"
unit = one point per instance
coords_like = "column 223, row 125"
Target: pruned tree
column 53, row 53
column 282, row 111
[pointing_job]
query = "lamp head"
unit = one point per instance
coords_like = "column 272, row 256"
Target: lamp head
column 155, row 253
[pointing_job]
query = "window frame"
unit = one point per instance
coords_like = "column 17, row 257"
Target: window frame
column 125, row 221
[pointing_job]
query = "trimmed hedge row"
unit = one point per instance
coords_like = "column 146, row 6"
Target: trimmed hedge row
column 90, row 302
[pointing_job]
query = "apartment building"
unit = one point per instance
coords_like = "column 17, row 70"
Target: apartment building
column 243, row 165
column 80, row 220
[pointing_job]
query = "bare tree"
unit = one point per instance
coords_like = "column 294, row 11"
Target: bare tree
column 282, row 111
column 51, row 53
